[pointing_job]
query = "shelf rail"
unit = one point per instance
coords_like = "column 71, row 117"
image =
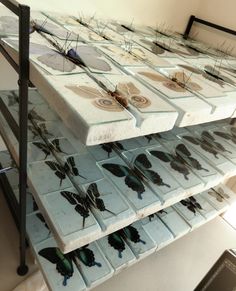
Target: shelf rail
column 23, row 13
column 193, row 19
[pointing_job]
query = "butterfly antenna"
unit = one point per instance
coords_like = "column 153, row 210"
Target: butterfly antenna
column 167, row 185
column 110, row 212
column 83, row 224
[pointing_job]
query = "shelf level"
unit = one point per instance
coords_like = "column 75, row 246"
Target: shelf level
column 62, row 217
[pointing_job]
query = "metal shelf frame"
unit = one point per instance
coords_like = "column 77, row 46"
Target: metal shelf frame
column 23, row 13
column 193, row 19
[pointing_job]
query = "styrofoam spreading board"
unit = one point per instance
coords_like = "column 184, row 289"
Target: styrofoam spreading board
column 153, row 232
column 108, row 125
column 200, row 110
column 49, row 198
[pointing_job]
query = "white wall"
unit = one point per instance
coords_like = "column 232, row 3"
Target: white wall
column 221, row 12
column 173, row 12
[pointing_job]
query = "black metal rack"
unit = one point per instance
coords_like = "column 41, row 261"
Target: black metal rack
column 193, row 19
column 20, row 132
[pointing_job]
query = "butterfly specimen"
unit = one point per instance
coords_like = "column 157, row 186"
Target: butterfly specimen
column 63, row 262
column 149, row 138
column 218, row 194
column 116, row 239
column 61, row 171
column 52, row 146
column 142, row 163
column 83, row 204
column 228, row 136
column 35, row 116
column 131, row 179
column 41, row 130
column 208, row 143
column 108, row 147
column 130, row 93
column 192, row 204
column 100, row 98
column 49, row 28
column 168, row 83
column 181, row 161
column 86, row 256
column 71, row 167
column 185, row 81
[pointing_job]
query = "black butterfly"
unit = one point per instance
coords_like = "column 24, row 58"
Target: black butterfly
column 141, row 163
column 86, row 256
column 35, row 116
column 176, row 161
column 43, row 147
column 108, row 147
column 148, row 137
column 116, row 239
column 192, row 204
column 94, row 200
column 40, row 130
column 227, row 135
column 71, row 167
column 131, row 180
column 207, row 143
column 83, row 204
column 63, row 262
column 59, row 171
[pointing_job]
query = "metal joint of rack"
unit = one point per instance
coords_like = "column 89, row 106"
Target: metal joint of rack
column 193, row 19
column 23, row 12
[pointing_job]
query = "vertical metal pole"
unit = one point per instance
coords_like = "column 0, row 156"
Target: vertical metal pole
column 189, row 26
column 24, row 29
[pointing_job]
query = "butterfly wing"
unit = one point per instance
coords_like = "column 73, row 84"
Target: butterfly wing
column 135, row 184
column 163, row 156
column 87, row 256
column 191, row 139
column 116, row 241
column 116, row 169
column 141, row 161
column 57, row 62
column 50, row 254
column 224, row 135
column 182, row 149
column 132, row 234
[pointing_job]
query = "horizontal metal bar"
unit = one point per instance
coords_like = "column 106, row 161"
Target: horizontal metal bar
column 216, row 26
column 193, row 19
column 9, row 59
column 9, row 118
column 12, row 5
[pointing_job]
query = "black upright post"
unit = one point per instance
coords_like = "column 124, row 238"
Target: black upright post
column 189, row 26
column 24, row 30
